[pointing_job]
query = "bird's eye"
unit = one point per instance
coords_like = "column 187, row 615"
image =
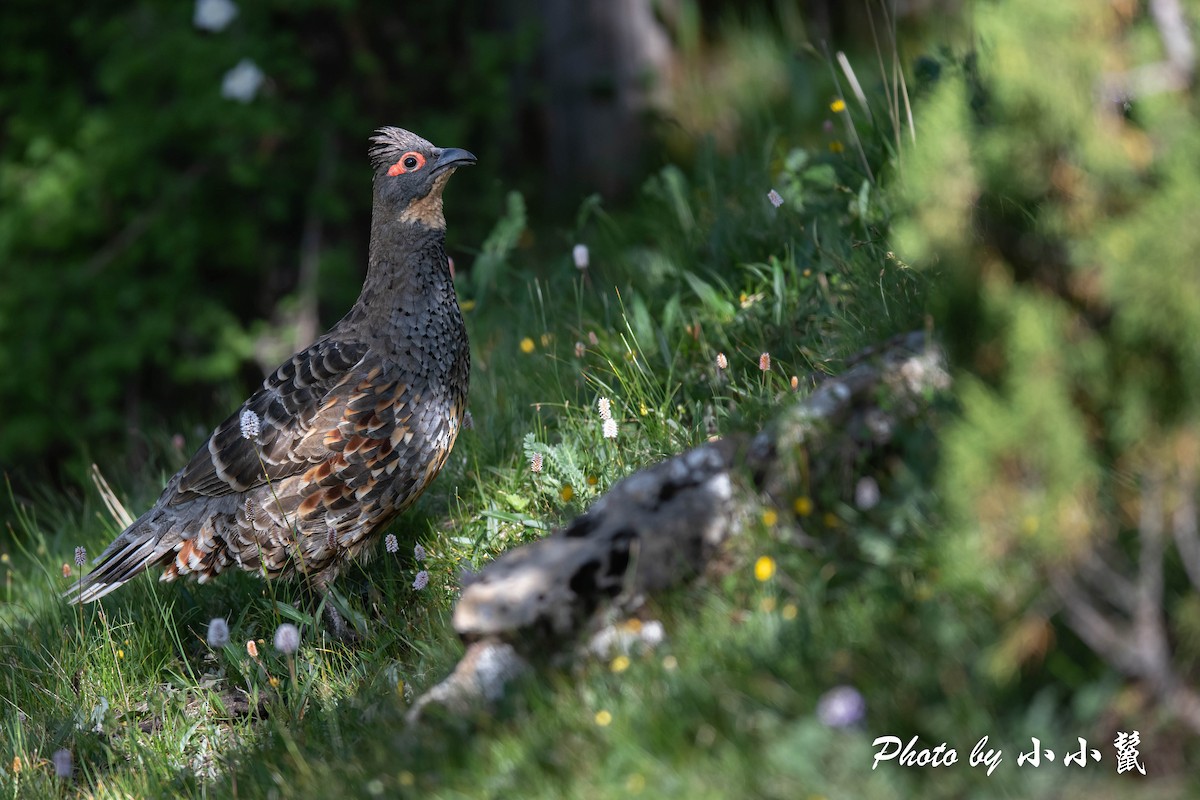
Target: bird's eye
column 408, row 162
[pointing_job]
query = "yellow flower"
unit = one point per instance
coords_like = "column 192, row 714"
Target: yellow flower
column 767, row 605
column 603, row 718
column 3, row 558
column 770, row 517
column 400, row 687
column 838, row 106
column 644, row 410
column 566, row 493
column 273, row 681
column 836, row 147
column 803, row 506
column 120, row 654
column 764, row 568
column 592, row 480
column 527, row 345
column 831, row 521
column 789, row 611
column 619, row 664
column 406, row 778
column 16, row 765
column 546, row 339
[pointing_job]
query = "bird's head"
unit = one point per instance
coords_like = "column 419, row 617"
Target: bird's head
column 410, row 174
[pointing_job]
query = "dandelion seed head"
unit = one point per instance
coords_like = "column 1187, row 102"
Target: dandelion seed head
column 764, row 362
column 722, row 361
column 218, row 633
column 418, row 552
column 841, row 707
column 287, row 639
column 610, row 428
column 421, row 580
column 80, row 556
column 535, row 462
column 390, row 543
column 251, row 425
column 580, row 255
column 775, row 198
column 604, row 407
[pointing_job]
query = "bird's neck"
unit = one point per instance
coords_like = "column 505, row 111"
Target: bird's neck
column 407, row 269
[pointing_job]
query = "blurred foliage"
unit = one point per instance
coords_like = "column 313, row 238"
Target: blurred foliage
column 1055, row 209
column 145, row 219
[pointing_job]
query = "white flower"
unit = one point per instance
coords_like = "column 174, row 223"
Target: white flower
column 579, row 253
column 418, row 552
column 535, row 462
column 251, row 425
column 218, row 632
column 610, row 428
column 722, row 361
column 242, row 82
column 775, row 198
column 605, row 408
column 841, row 707
column 391, row 544
column 214, row 15
column 287, row 638
column 80, row 556
column 421, row 581
column 62, row 763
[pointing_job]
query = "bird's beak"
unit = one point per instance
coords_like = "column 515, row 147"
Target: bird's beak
column 453, row 157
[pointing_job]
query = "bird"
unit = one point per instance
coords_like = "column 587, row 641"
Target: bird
column 344, row 435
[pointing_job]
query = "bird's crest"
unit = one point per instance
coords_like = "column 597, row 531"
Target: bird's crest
column 388, row 144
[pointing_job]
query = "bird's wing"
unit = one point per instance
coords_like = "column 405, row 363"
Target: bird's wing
column 297, row 406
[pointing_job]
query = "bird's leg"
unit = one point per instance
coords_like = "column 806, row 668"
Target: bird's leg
column 335, row 623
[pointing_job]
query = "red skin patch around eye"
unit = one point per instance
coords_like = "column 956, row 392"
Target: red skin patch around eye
column 399, row 169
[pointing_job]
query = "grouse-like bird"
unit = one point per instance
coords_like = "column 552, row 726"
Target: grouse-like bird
column 344, row 435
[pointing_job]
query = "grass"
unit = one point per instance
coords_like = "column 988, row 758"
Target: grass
column 703, row 265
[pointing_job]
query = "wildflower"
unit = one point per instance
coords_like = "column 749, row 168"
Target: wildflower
column 251, row 425
column 213, row 15
column 218, row 632
column 789, row 611
column 795, row 382
column 803, row 506
column 592, row 480
column 16, row 765
column 66, row 570
column 836, row 147
column 62, row 763
column 619, row 664
column 547, row 338
column 838, row 106
column 120, row 653
column 418, row 552
column 841, row 707
column 767, row 605
column 567, row 492
column 831, row 520
column 670, row 662
column 866, row 493
column 764, row 568
column 610, row 429
column 407, row 778
column 252, row 648
column 273, row 681
column 764, row 362
column 604, row 407
column 287, row 638
column 775, row 198
column 579, row 254
column 580, row 350
column 80, row 556
column 535, row 462
column 390, row 543
column 593, row 340
column 769, row 517
column 421, row 581
column 527, row 345
column 722, row 361
column 603, row 718
column 468, row 421
column 242, row 82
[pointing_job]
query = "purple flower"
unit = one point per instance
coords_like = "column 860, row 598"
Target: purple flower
column 421, row 581
column 418, row 552
column 80, row 556
column 390, row 543
column 841, row 707
column 775, row 198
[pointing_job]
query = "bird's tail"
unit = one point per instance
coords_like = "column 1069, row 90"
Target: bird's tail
column 128, row 555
